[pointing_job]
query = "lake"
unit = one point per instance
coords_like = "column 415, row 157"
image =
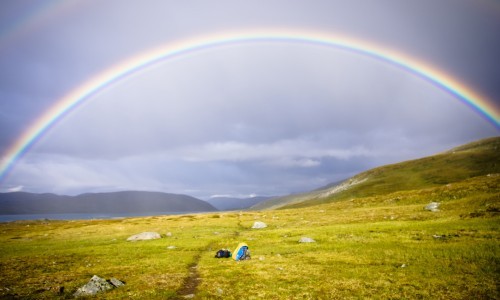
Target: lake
column 75, row 216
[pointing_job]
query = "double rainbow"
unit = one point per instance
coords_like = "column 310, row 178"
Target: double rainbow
column 146, row 59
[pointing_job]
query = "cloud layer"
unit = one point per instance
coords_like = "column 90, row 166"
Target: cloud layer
column 260, row 118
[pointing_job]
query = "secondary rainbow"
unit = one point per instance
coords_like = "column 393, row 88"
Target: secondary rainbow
column 167, row 51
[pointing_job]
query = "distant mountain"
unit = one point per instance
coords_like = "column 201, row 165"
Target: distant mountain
column 475, row 159
column 114, row 202
column 228, row 203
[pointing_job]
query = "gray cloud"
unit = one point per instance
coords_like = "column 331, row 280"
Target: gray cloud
column 260, row 118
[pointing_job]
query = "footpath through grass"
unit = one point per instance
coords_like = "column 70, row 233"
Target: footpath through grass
column 384, row 247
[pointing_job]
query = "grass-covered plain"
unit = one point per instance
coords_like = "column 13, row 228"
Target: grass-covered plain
column 382, row 247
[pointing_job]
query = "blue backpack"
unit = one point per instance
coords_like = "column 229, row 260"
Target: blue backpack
column 241, row 252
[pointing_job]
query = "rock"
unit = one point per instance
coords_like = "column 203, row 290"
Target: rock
column 433, row 206
column 306, row 240
column 169, row 234
column 116, row 282
column 259, row 225
column 144, row 236
column 94, row 286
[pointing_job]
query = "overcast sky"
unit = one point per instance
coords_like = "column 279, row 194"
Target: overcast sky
column 258, row 118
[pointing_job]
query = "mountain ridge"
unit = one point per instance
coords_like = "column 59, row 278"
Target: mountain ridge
column 110, row 202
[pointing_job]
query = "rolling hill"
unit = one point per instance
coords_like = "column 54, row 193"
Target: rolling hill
column 114, row 202
column 475, row 159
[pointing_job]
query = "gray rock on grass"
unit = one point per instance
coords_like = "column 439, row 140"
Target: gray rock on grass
column 116, row 282
column 259, row 225
column 305, row 239
column 144, row 236
column 433, row 206
column 97, row 285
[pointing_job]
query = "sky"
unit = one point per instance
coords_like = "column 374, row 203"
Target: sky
column 243, row 119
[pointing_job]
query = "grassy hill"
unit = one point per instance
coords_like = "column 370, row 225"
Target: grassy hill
column 461, row 163
column 374, row 245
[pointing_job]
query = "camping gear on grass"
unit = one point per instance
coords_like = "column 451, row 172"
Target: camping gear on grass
column 223, row 253
column 241, row 252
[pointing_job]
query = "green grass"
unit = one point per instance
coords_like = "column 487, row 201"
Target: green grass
column 469, row 161
column 380, row 247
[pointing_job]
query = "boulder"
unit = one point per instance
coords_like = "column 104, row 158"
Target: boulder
column 433, row 206
column 306, row 240
column 259, row 225
column 144, row 236
column 116, row 282
column 94, row 286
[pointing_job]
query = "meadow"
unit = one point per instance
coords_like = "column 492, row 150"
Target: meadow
column 378, row 247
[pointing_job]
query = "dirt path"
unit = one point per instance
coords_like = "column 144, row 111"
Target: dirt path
column 191, row 282
column 188, row 288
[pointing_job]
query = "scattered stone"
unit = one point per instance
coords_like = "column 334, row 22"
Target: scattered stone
column 445, row 237
column 216, row 233
column 279, row 268
column 306, row 240
column 171, row 247
column 144, row 236
column 220, row 291
column 169, row 234
column 261, row 258
column 403, row 266
column 259, row 225
column 190, row 296
column 116, row 282
column 433, row 206
column 94, row 286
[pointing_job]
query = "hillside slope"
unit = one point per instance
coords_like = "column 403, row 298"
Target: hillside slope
column 114, row 202
column 228, row 203
column 461, row 163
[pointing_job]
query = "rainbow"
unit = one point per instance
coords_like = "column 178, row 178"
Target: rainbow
column 35, row 16
column 131, row 66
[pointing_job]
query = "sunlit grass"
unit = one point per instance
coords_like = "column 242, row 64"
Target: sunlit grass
column 385, row 247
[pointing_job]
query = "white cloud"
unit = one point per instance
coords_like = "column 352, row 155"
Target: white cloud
column 15, row 189
column 303, row 152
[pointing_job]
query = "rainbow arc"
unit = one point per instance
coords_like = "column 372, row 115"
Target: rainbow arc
column 144, row 60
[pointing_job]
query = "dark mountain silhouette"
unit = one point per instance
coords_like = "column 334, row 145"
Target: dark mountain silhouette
column 228, row 203
column 114, row 202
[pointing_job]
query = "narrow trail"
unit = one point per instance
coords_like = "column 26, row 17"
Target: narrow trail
column 192, row 280
column 190, row 284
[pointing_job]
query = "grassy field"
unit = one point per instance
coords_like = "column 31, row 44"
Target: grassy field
column 379, row 247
